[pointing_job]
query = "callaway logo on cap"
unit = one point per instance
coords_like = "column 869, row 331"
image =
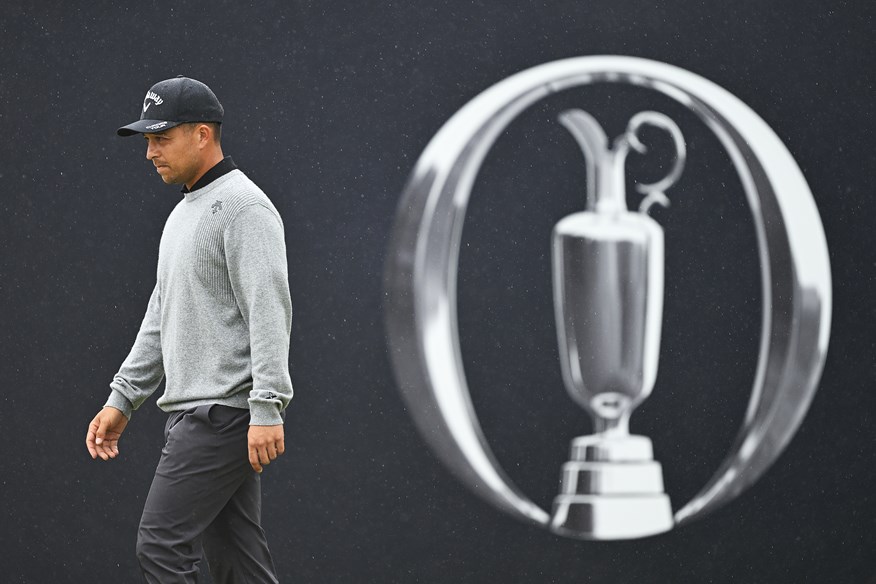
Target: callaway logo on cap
column 172, row 102
column 156, row 99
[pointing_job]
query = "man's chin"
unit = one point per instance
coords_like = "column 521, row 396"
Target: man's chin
column 169, row 179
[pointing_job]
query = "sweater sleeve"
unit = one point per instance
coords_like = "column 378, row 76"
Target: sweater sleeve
column 255, row 250
column 143, row 370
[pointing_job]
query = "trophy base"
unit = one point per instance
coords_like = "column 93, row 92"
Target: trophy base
column 611, row 489
column 603, row 517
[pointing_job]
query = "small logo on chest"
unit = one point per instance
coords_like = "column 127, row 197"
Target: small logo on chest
column 217, row 206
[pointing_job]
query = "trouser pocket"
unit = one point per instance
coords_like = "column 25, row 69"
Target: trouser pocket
column 227, row 419
column 173, row 418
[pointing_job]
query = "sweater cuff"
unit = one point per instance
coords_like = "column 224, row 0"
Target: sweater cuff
column 264, row 413
column 120, row 402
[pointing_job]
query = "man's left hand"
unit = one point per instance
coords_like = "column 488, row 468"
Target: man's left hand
column 265, row 445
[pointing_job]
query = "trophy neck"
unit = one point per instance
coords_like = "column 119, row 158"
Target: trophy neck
column 612, row 416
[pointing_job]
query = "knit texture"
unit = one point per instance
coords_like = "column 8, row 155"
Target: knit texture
column 217, row 325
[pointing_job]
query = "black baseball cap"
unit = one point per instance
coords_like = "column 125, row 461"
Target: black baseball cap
column 172, row 102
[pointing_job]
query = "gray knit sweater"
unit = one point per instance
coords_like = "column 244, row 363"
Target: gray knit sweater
column 218, row 322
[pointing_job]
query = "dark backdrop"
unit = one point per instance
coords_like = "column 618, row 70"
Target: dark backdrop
column 328, row 107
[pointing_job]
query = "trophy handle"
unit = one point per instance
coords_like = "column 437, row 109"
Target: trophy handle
column 420, row 275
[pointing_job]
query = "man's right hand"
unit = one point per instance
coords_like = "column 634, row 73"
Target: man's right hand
column 104, row 432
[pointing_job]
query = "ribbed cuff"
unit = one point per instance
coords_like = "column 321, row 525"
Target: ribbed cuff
column 120, row 402
column 262, row 413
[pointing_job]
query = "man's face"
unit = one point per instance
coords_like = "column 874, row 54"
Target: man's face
column 175, row 154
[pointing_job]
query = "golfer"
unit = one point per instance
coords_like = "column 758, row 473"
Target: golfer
column 217, row 330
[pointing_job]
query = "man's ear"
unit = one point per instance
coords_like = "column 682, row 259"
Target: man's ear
column 205, row 135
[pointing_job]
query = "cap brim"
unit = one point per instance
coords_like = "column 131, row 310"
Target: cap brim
column 146, row 127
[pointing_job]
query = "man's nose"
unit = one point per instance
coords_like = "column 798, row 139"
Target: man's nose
column 151, row 151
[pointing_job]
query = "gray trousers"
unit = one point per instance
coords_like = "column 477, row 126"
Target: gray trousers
column 204, row 496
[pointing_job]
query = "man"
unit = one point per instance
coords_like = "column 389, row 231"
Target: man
column 217, row 329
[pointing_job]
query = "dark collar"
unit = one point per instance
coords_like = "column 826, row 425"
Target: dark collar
column 221, row 168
